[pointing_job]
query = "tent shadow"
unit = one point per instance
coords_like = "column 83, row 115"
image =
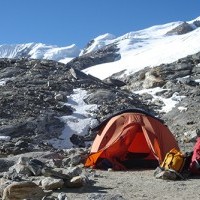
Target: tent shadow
column 194, row 177
column 87, row 189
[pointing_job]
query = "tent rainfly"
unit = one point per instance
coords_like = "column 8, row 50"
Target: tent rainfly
column 131, row 139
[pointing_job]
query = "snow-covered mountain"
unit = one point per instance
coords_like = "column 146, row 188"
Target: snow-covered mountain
column 39, row 51
column 149, row 47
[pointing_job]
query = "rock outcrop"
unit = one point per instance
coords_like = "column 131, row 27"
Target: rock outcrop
column 181, row 29
column 103, row 55
column 34, row 93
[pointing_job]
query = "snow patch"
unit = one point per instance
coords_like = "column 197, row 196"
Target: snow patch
column 4, row 81
column 182, row 109
column 61, row 52
column 169, row 103
column 65, row 60
column 5, row 138
column 77, row 123
column 197, row 80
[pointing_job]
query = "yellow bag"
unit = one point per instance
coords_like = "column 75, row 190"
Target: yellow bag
column 175, row 160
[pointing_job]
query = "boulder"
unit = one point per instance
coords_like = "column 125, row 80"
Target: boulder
column 36, row 166
column 48, row 172
column 23, row 190
column 72, row 171
column 77, row 181
column 3, row 184
column 52, row 183
column 151, row 81
column 21, row 169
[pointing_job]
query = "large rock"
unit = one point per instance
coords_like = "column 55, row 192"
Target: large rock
column 103, row 55
column 23, row 190
column 72, row 171
column 152, row 81
column 181, row 29
column 21, row 169
column 77, row 181
column 48, row 172
column 52, row 183
column 3, row 184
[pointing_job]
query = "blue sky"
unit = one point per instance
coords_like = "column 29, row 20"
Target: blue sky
column 66, row 22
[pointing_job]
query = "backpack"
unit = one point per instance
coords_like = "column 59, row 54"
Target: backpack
column 174, row 160
column 195, row 162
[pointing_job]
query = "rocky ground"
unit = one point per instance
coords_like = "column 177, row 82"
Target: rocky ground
column 138, row 184
column 33, row 94
column 32, row 97
column 61, row 176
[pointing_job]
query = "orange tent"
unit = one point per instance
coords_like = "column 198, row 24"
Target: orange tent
column 132, row 137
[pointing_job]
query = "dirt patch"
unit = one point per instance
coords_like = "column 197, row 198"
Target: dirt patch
column 115, row 185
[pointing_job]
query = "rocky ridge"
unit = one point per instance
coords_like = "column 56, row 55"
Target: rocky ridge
column 106, row 54
column 33, row 96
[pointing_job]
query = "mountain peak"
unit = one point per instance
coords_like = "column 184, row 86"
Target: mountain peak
column 148, row 47
column 98, row 43
column 39, row 51
column 152, row 46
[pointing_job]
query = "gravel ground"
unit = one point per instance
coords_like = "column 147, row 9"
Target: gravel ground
column 113, row 185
